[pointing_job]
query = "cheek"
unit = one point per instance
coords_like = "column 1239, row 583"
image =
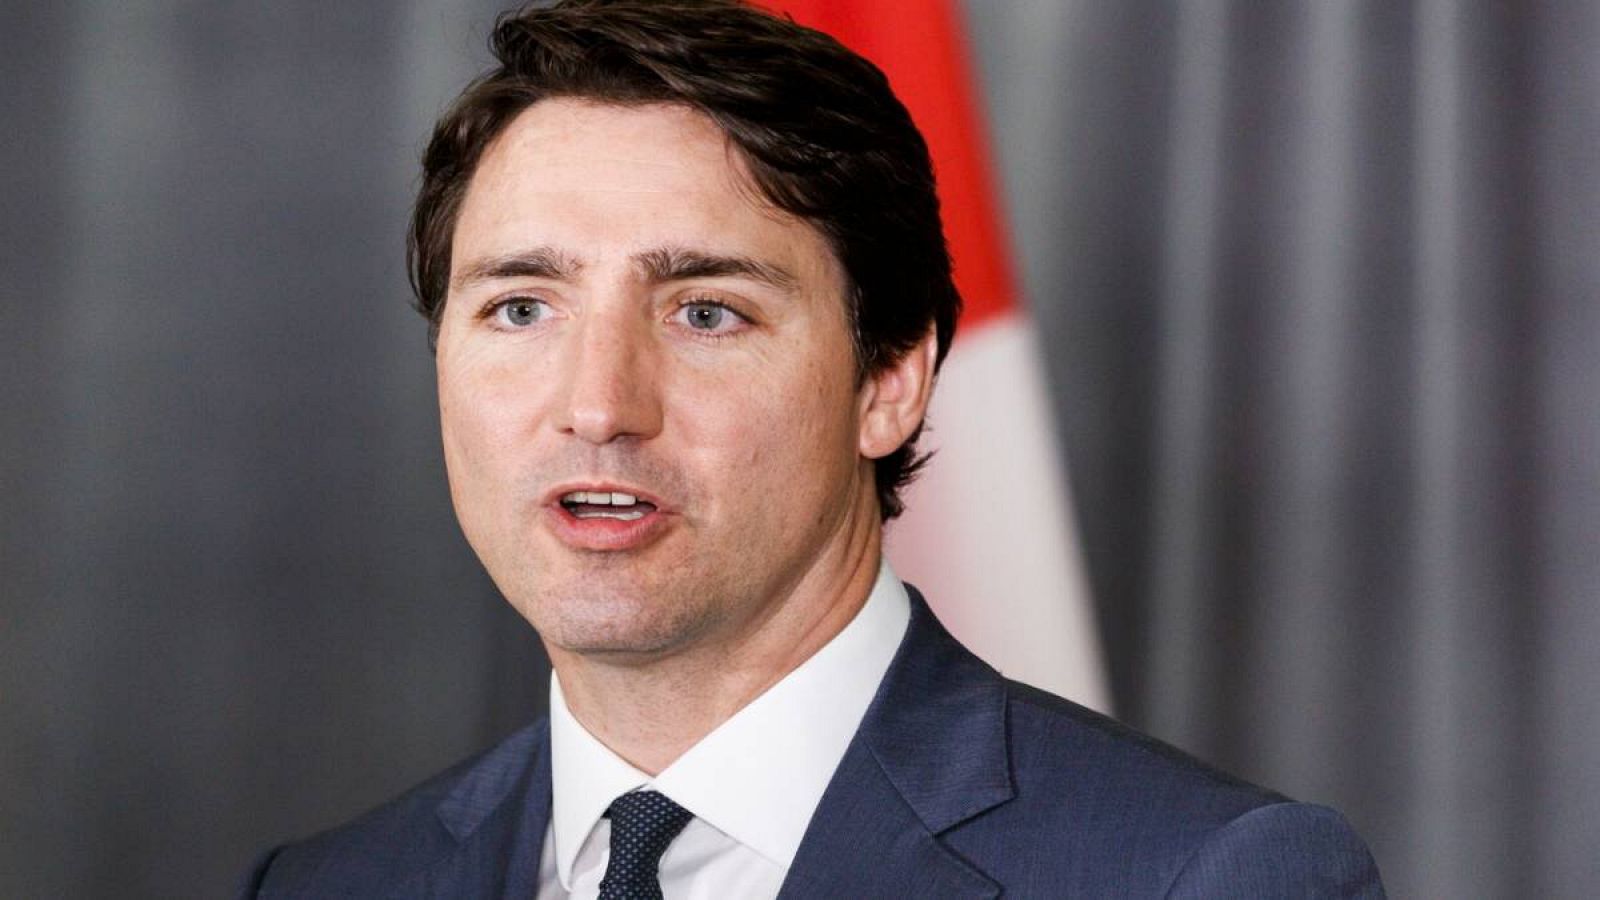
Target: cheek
column 786, row 427
column 484, row 408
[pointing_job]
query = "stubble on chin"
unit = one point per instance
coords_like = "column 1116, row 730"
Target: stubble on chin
column 599, row 620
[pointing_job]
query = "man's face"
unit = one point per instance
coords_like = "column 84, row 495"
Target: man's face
column 651, row 419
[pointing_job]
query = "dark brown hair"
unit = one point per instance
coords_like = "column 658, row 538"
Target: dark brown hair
column 824, row 138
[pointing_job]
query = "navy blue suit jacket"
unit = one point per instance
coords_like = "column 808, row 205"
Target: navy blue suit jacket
column 959, row 783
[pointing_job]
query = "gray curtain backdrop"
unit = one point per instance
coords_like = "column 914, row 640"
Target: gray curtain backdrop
column 1320, row 288
column 1321, row 285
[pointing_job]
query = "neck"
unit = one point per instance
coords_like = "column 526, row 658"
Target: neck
column 651, row 712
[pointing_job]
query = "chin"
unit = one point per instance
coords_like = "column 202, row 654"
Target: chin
column 593, row 621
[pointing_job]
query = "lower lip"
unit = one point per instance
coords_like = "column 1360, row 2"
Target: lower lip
column 605, row 533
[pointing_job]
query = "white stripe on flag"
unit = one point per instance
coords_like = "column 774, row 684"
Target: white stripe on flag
column 987, row 534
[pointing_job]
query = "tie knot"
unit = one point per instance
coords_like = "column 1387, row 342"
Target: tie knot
column 643, row 823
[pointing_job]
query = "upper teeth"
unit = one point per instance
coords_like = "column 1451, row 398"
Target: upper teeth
column 600, row 498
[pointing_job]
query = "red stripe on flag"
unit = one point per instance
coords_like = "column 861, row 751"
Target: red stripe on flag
column 921, row 46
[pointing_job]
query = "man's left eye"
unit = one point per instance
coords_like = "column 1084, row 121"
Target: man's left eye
column 713, row 318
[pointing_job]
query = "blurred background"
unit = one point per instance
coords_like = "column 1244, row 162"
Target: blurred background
column 1317, row 286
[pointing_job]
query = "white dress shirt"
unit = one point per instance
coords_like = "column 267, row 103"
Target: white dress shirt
column 752, row 783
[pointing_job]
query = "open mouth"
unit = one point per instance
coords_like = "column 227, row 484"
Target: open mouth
column 606, row 505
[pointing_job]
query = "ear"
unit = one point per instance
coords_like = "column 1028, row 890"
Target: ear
column 894, row 399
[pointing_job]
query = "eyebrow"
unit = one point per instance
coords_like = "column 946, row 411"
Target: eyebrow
column 539, row 262
column 678, row 264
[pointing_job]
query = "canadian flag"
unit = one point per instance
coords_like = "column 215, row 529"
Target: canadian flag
column 986, row 532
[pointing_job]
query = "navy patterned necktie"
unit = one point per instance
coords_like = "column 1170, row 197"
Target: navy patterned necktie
column 643, row 823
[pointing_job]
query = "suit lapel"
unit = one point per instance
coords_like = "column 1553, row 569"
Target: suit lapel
column 497, row 813
column 931, row 753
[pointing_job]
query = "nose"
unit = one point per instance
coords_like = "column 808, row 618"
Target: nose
column 610, row 387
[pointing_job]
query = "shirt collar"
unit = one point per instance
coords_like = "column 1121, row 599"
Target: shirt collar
column 758, row 776
column 585, row 776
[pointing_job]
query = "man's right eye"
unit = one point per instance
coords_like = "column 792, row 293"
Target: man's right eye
column 521, row 312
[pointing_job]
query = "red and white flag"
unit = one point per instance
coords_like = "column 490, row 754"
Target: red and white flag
column 987, row 529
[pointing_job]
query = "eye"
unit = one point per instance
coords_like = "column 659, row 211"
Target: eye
column 709, row 317
column 520, row 312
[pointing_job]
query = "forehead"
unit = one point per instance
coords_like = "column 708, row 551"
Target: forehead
column 594, row 178
column 633, row 146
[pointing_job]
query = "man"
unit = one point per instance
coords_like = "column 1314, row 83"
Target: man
column 688, row 287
